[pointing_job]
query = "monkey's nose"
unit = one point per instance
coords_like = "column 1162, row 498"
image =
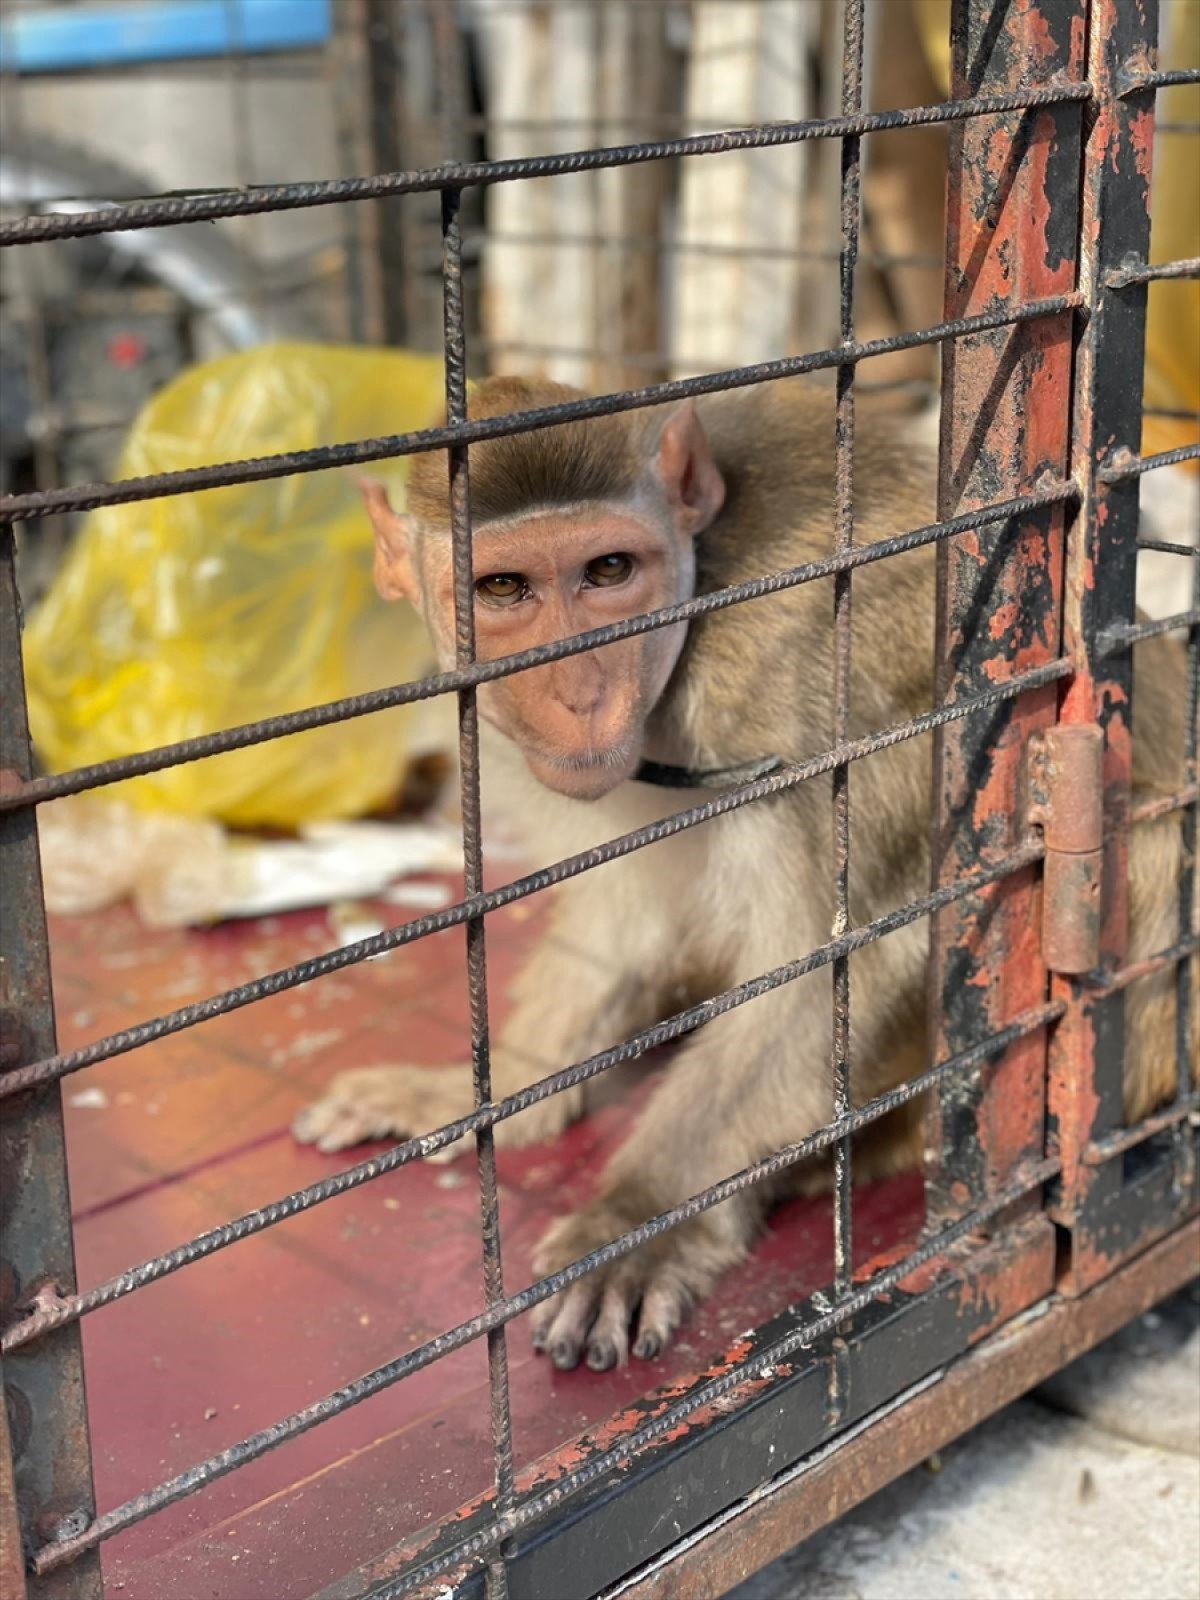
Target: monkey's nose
column 581, row 693
column 583, row 703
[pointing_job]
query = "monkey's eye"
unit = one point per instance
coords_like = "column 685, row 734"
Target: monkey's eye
column 609, row 569
column 502, row 588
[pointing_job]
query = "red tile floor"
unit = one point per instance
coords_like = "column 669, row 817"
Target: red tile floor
column 191, row 1131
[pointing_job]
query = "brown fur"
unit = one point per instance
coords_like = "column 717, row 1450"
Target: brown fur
column 582, row 461
column 722, row 903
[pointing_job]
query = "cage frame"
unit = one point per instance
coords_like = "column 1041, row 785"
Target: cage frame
column 1044, row 1237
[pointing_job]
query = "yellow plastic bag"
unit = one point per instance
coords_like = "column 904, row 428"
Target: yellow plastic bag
column 177, row 617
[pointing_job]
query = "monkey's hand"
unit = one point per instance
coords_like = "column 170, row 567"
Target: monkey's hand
column 640, row 1297
column 386, row 1102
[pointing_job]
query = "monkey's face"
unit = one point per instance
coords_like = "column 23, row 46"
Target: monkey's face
column 543, row 575
column 579, row 722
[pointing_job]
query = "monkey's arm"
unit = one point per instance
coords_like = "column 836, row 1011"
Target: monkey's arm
column 574, row 996
column 747, row 1083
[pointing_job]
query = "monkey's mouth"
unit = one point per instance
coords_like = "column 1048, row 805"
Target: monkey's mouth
column 586, row 774
column 590, row 760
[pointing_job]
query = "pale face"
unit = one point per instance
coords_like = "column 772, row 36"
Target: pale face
column 579, row 722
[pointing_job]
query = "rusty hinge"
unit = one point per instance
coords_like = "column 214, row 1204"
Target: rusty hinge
column 1065, row 776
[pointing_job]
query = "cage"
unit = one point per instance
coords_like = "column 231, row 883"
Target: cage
column 300, row 1380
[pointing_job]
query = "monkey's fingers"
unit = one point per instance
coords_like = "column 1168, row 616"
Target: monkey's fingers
column 561, row 1325
column 383, row 1102
column 639, row 1300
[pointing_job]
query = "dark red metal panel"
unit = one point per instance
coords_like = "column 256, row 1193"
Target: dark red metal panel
column 1012, row 198
column 43, row 1386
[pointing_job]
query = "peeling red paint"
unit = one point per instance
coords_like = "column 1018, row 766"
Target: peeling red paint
column 1012, row 213
column 1142, row 134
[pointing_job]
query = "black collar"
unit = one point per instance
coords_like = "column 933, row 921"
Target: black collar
column 711, row 778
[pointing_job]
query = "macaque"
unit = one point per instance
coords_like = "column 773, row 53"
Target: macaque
column 588, row 522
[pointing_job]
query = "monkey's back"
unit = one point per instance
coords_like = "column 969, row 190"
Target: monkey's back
column 757, row 679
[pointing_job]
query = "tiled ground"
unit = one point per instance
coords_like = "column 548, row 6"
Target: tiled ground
column 193, row 1130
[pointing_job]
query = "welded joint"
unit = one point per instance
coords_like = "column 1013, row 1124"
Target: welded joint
column 1064, row 775
column 1121, row 464
column 1136, row 75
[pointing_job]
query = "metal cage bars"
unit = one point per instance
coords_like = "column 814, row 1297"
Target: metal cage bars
column 168, row 210
column 851, row 217
column 52, row 1068
column 1106, row 1214
column 67, row 1541
column 89, row 497
column 501, row 1311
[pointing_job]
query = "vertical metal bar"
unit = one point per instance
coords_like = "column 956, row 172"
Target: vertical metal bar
column 468, row 750
column 843, row 1215
column 1012, row 220
column 43, row 1383
column 1085, row 1096
column 1185, row 999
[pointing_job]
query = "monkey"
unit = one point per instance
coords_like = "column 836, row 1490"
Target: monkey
column 595, row 520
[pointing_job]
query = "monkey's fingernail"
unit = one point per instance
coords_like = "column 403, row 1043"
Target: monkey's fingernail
column 565, row 1355
column 647, row 1346
column 539, row 1339
column 602, row 1356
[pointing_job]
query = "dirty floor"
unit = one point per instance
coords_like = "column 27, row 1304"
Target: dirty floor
column 192, row 1131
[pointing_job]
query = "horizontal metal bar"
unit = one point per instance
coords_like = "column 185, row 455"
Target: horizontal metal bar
column 1126, row 465
column 61, row 1310
column 1167, row 548
column 1116, row 1144
column 1163, row 804
column 166, row 211
column 66, row 1309
column 1127, row 633
column 1140, row 82
column 88, row 496
column 258, row 1444
column 39, row 790
column 1105, row 983
column 761, row 1365
column 910, row 1429
column 657, row 360
column 1126, row 277
column 59, row 1066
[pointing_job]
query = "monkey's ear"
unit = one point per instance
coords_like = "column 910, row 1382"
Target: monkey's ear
column 692, row 479
column 394, row 575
